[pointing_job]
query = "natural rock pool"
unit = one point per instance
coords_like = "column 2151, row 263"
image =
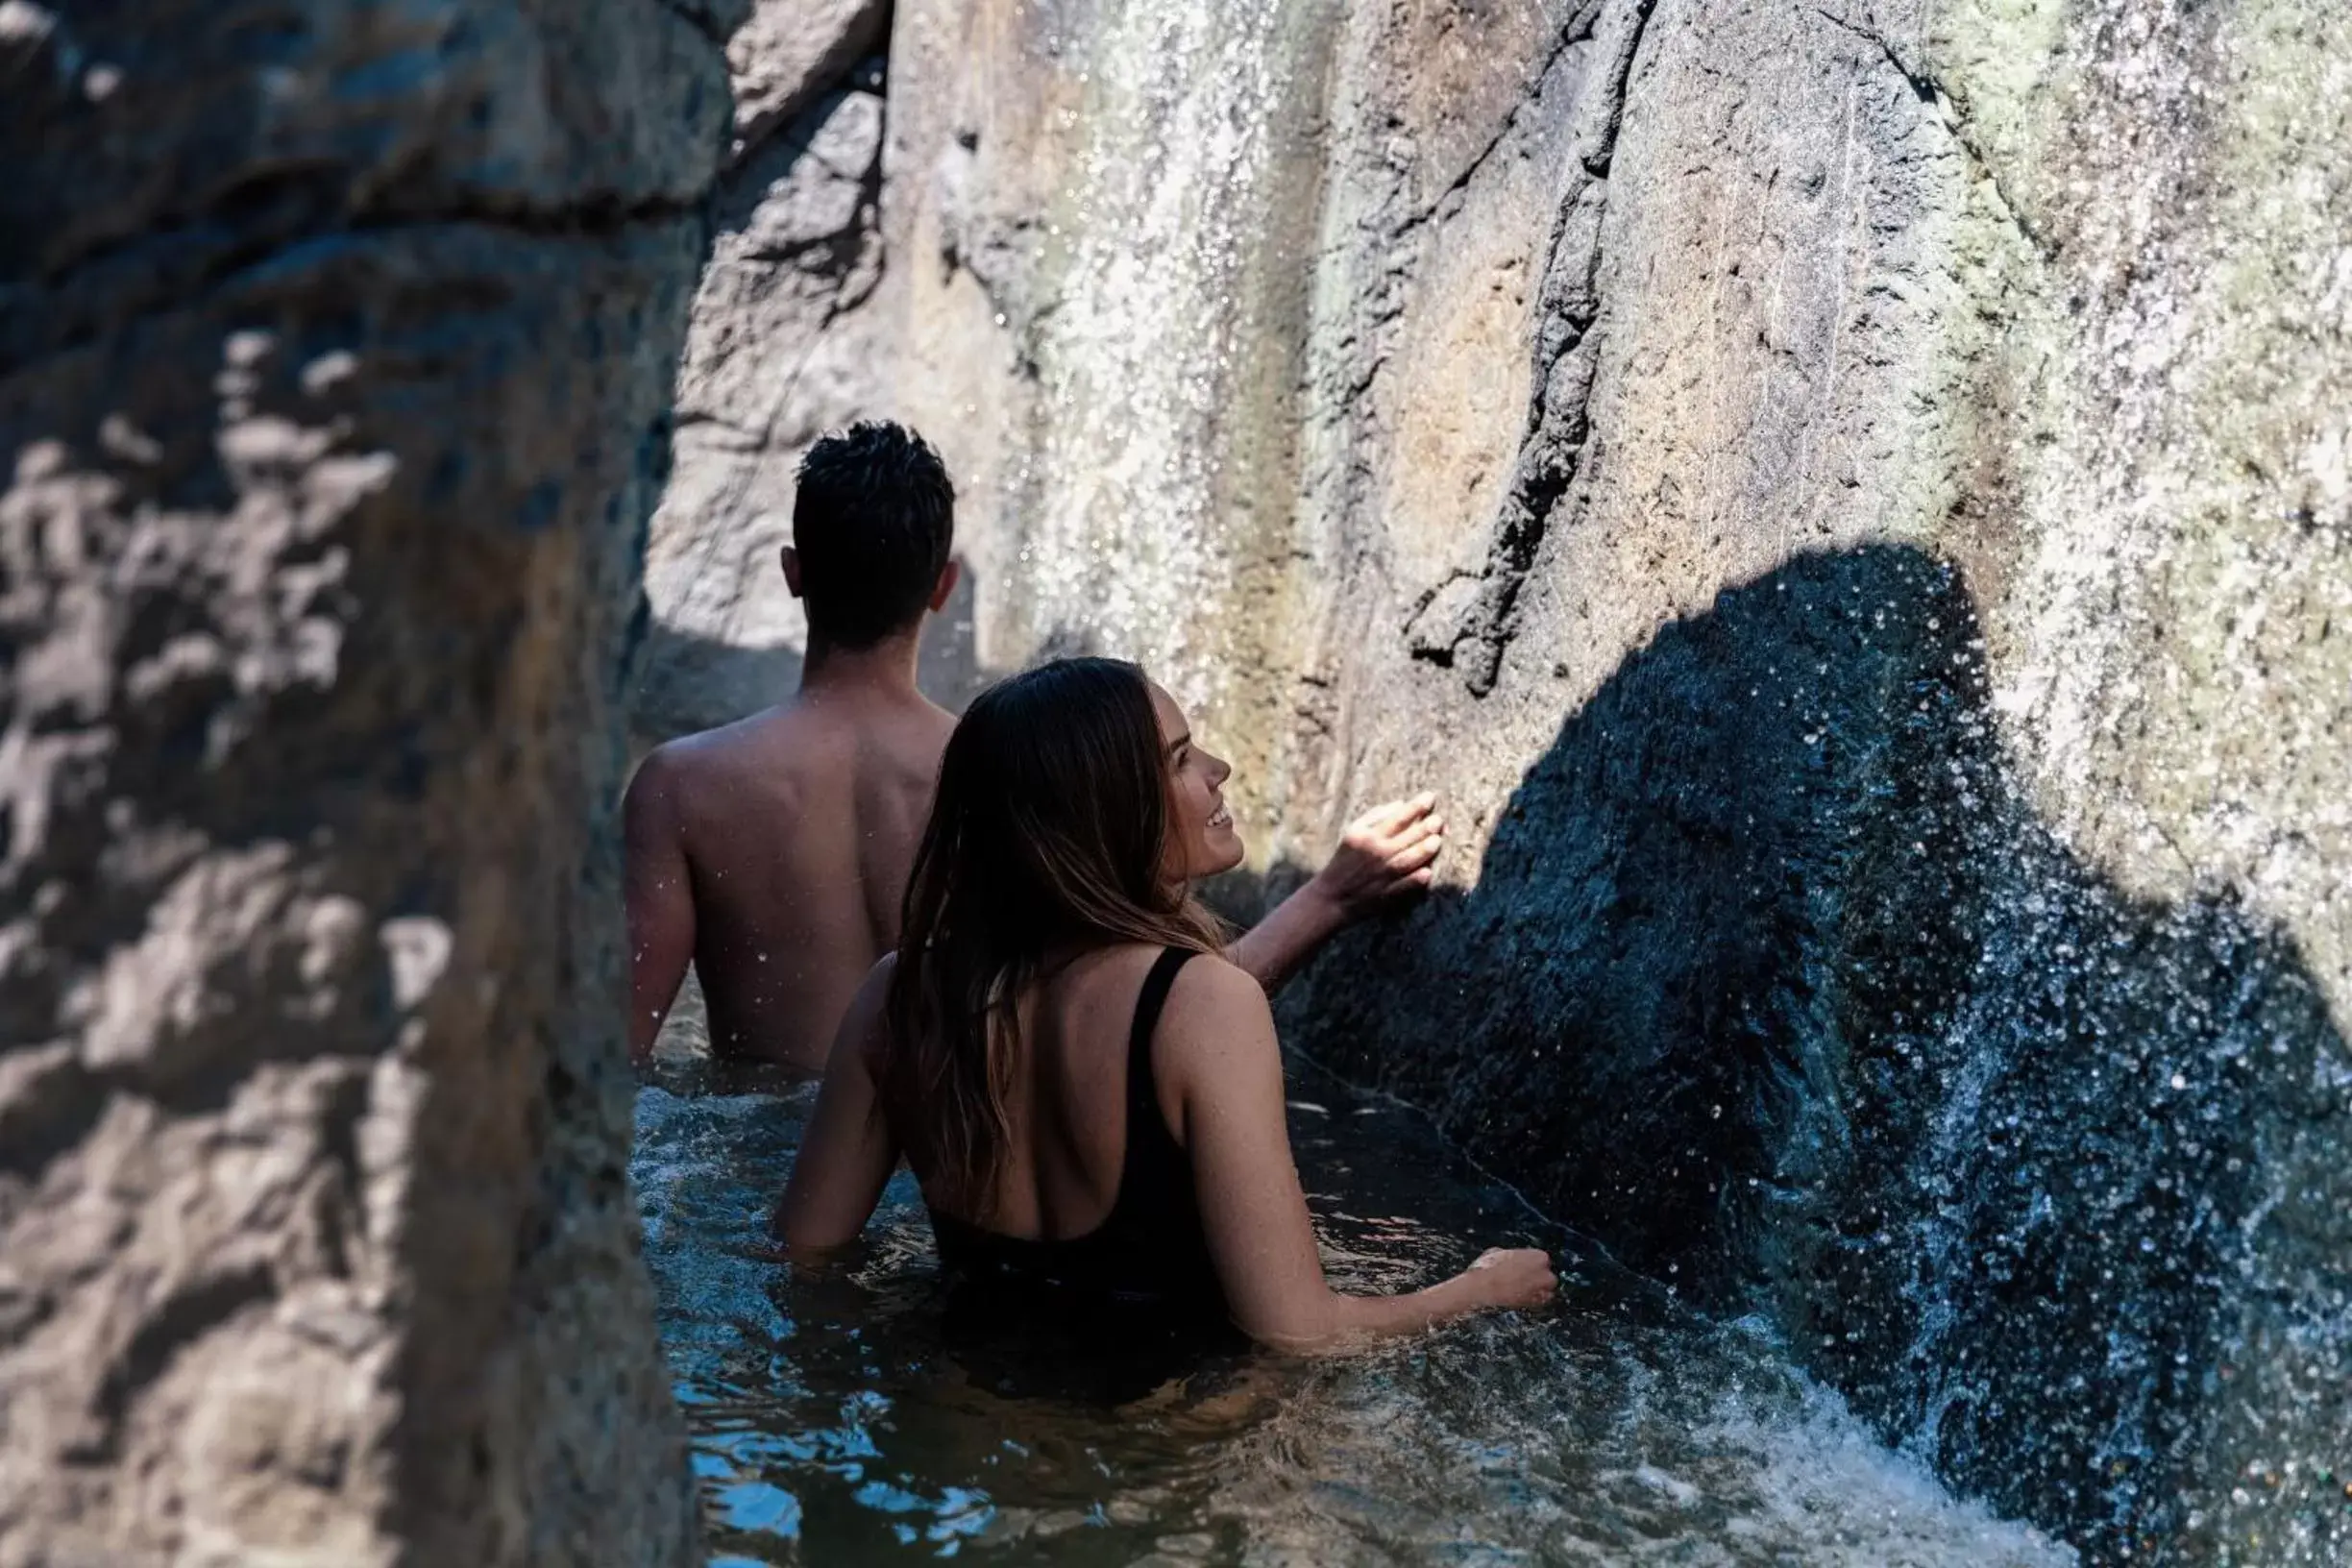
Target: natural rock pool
column 1848, row 507
column 842, row 1420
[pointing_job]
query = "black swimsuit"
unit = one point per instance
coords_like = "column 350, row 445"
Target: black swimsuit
column 1150, row 1249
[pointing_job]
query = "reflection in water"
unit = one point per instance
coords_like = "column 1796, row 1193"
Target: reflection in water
column 841, row 1419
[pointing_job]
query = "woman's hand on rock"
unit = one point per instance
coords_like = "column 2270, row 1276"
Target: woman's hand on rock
column 1389, row 852
column 1513, row 1277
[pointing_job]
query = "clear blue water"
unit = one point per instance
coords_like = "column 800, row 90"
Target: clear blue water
column 839, row 1421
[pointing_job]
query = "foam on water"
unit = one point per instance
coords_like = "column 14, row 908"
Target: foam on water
column 833, row 1421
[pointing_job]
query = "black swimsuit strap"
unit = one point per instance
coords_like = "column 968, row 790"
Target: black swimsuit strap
column 1142, row 1099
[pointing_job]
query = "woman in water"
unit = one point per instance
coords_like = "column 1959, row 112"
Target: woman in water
column 1089, row 1094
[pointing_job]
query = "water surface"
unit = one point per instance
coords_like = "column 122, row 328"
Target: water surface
column 841, row 1421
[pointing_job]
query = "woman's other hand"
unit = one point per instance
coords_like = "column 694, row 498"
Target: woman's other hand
column 1513, row 1277
column 1389, row 852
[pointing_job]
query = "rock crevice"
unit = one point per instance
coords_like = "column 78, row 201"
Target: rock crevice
column 1569, row 307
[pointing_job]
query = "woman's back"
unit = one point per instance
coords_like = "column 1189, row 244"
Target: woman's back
column 1094, row 1196
column 1065, row 1104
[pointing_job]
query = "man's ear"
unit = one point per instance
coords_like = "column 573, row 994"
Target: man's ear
column 941, row 591
column 791, row 570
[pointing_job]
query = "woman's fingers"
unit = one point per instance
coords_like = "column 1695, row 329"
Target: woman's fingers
column 1417, row 854
column 1419, row 831
column 1430, row 839
column 1389, row 849
column 1392, row 816
column 1428, row 827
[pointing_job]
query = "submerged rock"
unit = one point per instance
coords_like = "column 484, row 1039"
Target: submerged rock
column 335, row 350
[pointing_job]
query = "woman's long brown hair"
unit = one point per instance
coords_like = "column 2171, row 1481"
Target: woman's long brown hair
column 1047, row 838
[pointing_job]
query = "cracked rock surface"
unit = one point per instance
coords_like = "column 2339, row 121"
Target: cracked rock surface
column 335, row 354
column 1849, row 504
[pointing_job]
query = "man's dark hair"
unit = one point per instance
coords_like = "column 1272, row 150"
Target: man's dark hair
column 874, row 521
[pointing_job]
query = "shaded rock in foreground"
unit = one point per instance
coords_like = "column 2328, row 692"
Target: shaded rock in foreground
column 335, row 364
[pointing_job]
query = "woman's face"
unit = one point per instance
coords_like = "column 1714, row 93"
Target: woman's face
column 1201, row 837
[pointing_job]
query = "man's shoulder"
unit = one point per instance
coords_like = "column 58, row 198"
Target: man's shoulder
column 684, row 777
column 797, row 746
column 755, row 738
column 667, row 771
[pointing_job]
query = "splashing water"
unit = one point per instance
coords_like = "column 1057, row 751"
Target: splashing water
column 837, row 1421
column 1126, row 537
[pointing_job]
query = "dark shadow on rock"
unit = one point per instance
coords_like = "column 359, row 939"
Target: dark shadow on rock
column 680, row 682
column 1773, row 984
column 683, row 682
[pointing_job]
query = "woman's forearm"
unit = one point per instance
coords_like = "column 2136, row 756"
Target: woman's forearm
column 1386, row 1318
column 1502, row 1277
column 1277, row 947
column 1351, row 1322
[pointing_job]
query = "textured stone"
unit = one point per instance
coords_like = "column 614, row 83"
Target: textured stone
column 789, row 53
column 1848, row 503
column 782, row 348
column 334, row 357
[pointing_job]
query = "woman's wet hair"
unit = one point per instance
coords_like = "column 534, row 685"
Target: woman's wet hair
column 1047, row 837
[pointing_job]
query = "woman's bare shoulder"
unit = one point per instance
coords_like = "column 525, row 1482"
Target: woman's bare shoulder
column 1217, row 980
column 1217, row 1001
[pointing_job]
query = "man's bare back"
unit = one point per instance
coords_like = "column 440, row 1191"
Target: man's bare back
column 773, row 852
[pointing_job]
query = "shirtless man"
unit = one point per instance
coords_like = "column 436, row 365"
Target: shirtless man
column 773, row 852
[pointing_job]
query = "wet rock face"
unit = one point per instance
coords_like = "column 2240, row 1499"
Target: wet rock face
column 1847, row 503
column 336, row 357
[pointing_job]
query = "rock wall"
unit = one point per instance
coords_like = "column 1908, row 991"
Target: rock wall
column 337, row 348
column 1848, row 502
column 786, row 343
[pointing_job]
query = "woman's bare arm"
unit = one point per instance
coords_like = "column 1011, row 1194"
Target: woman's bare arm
column 1388, row 853
column 848, row 1154
column 1219, row 1040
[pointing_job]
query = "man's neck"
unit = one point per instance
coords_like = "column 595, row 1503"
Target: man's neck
column 885, row 669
